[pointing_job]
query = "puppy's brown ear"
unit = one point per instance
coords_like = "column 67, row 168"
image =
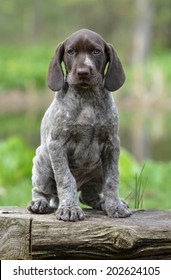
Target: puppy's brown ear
column 115, row 76
column 55, row 75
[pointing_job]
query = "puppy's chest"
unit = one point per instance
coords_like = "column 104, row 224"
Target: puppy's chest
column 89, row 133
column 91, row 124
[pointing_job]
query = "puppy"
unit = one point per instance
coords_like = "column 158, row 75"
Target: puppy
column 80, row 147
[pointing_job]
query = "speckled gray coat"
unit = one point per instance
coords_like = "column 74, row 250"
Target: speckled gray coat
column 80, row 147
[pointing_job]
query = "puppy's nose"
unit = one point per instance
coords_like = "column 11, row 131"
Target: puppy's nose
column 83, row 73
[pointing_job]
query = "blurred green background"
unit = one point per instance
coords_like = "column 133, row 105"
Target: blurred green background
column 140, row 31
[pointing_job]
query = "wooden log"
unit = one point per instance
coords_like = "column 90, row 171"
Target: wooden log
column 14, row 236
column 144, row 235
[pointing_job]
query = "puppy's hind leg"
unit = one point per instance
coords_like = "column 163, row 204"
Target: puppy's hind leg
column 44, row 188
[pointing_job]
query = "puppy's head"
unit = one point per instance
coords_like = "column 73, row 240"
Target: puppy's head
column 85, row 55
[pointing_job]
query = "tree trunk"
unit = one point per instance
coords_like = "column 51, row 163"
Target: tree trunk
column 141, row 46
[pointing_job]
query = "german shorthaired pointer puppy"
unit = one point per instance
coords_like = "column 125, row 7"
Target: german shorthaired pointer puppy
column 80, row 148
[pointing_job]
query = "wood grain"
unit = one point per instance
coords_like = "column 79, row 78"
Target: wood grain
column 14, row 238
column 144, row 235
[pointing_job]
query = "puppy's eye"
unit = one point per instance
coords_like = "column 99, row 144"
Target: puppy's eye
column 71, row 51
column 96, row 51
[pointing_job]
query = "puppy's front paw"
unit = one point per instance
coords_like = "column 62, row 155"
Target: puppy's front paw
column 70, row 213
column 118, row 210
column 39, row 206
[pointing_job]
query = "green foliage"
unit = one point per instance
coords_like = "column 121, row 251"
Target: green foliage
column 15, row 177
column 33, row 21
column 23, row 68
column 157, row 189
column 15, row 171
column 146, row 183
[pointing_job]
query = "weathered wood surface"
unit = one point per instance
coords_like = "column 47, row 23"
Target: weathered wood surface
column 144, row 235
